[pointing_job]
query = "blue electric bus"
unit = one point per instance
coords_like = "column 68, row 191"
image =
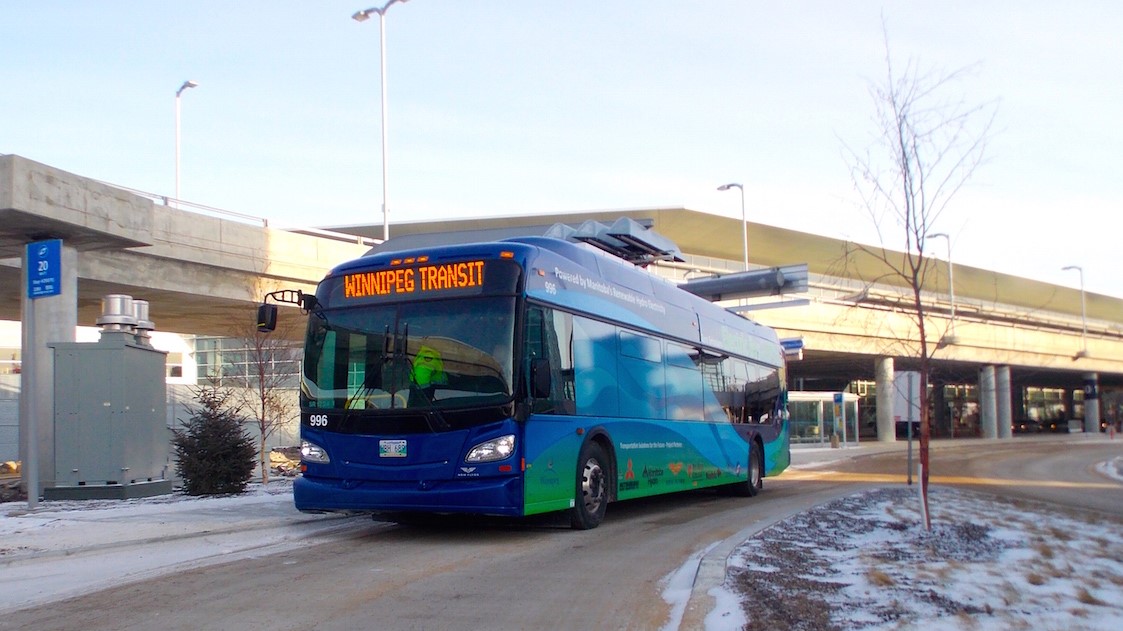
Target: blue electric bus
column 527, row 376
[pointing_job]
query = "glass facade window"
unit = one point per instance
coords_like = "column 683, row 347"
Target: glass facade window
column 237, row 361
column 812, row 417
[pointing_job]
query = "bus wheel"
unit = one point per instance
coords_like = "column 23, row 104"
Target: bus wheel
column 592, row 488
column 752, row 486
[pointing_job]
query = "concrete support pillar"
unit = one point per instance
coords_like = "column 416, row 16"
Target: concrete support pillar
column 941, row 420
column 1070, row 406
column 1018, row 399
column 49, row 319
column 988, row 414
column 883, row 374
column 1091, row 402
column 1002, row 402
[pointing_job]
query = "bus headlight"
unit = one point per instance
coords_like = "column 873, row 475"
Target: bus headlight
column 492, row 450
column 311, row 452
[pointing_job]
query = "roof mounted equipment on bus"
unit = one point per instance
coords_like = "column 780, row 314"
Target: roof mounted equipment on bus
column 625, row 238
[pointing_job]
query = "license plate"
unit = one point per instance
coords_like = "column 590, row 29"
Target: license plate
column 391, row 449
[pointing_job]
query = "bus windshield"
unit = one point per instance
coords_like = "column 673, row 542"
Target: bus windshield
column 441, row 354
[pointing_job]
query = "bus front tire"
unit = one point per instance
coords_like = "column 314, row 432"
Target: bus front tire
column 592, row 488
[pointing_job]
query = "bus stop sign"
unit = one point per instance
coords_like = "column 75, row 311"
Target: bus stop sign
column 44, row 268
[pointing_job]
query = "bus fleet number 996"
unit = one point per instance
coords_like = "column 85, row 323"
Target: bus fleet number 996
column 318, row 420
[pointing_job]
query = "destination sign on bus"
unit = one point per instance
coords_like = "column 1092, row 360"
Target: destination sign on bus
column 414, row 280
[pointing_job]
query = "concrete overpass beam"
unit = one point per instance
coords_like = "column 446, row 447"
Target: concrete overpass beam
column 988, row 412
column 886, row 426
column 1002, row 401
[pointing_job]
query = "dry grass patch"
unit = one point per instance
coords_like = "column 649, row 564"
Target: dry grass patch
column 1033, row 578
column 966, row 620
column 879, row 578
column 1088, row 598
column 1058, row 572
column 1060, row 534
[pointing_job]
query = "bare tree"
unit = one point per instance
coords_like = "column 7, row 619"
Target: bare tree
column 265, row 385
column 928, row 142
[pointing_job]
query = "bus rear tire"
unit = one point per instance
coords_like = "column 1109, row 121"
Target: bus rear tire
column 592, row 488
column 755, row 482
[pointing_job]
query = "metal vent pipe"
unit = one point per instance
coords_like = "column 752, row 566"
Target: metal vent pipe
column 117, row 313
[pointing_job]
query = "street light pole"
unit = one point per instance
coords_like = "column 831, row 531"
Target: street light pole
column 744, row 220
column 186, row 84
column 363, row 16
column 950, row 337
column 1083, row 311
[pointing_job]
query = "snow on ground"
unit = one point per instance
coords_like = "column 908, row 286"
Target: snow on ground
column 66, row 548
column 861, row 562
column 69, row 524
column 866, row 562
column 1112, row 468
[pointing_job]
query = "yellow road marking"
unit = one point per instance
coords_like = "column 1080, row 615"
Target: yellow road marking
column 837, row 476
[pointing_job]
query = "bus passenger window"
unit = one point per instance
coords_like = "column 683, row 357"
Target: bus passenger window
column 762, row 393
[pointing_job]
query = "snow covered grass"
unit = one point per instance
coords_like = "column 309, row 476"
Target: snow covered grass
column 71, row 524
column 866, row 562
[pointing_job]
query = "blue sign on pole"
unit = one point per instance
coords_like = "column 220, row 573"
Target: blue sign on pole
column 44, row 268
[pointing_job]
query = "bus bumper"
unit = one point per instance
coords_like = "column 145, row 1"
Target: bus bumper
column 485, row 496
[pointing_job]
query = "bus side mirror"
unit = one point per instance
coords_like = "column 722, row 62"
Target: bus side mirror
column 540, row 383
column 266, row 318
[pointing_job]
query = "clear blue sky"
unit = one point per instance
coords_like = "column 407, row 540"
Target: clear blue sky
column 501, row 107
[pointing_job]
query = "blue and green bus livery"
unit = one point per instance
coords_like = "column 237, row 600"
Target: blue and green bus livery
column 527, row 376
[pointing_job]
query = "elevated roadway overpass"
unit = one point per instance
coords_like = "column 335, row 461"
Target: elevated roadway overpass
column 199, row 273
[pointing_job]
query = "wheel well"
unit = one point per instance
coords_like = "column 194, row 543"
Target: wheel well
column 602, row 440
column 760, row 446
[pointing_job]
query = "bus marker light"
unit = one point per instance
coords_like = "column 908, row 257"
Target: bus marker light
column 505, row 468
column 506, row 255
column 580, row 431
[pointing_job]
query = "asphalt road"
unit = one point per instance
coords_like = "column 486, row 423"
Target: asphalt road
column 539, row 574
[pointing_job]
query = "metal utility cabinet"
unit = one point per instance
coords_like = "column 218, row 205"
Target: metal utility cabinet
column 111, row 437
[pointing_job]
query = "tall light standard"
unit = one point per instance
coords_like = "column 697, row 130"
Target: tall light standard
column 950, row 337
column 186, row 84
column 1083, row 312
column 744, row 220
column 363, row 16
